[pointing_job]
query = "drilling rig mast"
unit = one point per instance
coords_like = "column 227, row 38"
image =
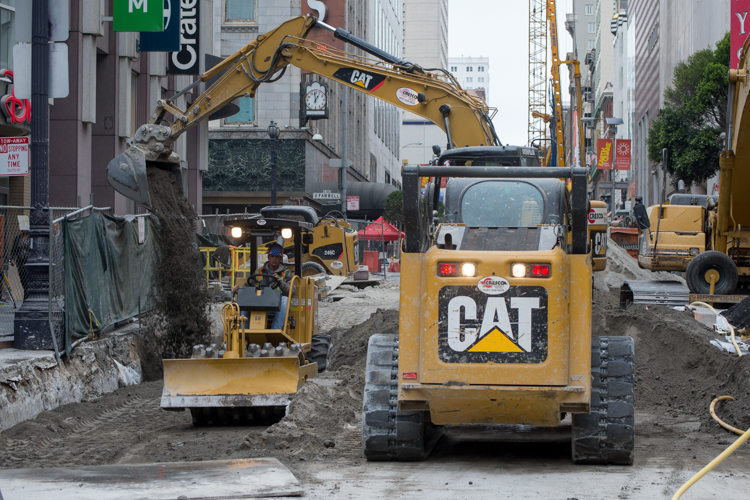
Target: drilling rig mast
column 537, row 70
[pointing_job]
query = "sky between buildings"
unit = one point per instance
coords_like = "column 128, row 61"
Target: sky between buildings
column 499, row 29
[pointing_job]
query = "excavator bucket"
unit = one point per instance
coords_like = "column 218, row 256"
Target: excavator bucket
column 233, row 382
column 128, row 174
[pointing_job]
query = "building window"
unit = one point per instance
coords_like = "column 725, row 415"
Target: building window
column 454, row 69
column 592, row 44
column 387, row 177
column 469, row 68
column 7, row 33
column 589, row 9
column 592, row 27
column 480, row 79
column 247, row 111
column 480, row 69
column 469, row 79
column 240, row 11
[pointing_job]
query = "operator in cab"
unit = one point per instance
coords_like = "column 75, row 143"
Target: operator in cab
column 273, row 274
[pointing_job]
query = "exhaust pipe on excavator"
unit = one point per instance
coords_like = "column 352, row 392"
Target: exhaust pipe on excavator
column 128, row 172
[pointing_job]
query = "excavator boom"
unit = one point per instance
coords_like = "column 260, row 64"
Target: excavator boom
column 434, row 95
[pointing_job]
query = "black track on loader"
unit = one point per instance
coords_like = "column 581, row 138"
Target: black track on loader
column 389, row 434
column 606, row 435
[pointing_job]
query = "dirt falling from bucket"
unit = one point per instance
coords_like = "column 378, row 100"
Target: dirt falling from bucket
column 181, row 317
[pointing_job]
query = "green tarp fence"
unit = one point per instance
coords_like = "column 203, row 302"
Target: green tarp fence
column 107, row 272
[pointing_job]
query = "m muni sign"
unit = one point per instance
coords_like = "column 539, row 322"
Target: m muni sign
column 138, row 15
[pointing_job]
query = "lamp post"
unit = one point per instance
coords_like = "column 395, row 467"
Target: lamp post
column 273, row 133
column 31, row 325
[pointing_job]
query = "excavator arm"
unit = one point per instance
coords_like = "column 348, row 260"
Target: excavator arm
column 433, row 95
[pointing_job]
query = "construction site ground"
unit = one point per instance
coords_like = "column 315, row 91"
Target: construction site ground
column 678, row 373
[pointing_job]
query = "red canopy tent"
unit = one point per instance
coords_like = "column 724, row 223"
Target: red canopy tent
column 380, row 230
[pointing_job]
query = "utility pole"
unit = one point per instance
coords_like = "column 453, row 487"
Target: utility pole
column 31, row 326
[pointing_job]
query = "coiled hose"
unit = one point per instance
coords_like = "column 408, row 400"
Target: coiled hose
column 716, row 461
column 734, row 340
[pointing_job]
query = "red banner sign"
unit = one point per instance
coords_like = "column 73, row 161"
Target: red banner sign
column 740, row 26
column 623, row 154
column 604, row 156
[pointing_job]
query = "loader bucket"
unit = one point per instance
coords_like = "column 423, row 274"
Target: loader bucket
column 128, row 174
column 238, row 382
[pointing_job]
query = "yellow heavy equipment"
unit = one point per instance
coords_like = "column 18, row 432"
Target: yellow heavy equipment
column 211, row 387
column 495, row 316
column 258, row 369
column 335, row 247
column 708, row 237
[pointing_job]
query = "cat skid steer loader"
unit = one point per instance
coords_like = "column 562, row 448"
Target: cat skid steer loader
column 495, row 316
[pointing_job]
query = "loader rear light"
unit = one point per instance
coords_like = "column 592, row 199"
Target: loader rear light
column 519, row 270
column 540, row 271
column 447, row 270
column 409, row 376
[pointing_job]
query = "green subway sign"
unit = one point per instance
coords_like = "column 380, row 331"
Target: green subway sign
column 138, row 15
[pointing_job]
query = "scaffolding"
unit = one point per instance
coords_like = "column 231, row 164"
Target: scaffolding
column 537, row 71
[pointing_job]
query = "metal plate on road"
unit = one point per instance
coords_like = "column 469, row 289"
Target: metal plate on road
column 253, row 478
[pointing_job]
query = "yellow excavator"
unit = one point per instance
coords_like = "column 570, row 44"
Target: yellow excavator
column 335, row 247
column 707, row 236
column 262, row 367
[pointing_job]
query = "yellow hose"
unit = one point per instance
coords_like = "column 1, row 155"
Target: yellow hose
column 731, row 328
column 720, row 421
column 716, row 461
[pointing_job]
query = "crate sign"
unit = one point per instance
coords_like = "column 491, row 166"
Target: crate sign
column 138, row 15
column 14, row 156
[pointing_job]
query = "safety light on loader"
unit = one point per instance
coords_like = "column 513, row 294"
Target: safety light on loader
column 447, row 270
column 540, row 270
column 468, row 269
column 236, row 232
column 518, row 270
column 286, row 233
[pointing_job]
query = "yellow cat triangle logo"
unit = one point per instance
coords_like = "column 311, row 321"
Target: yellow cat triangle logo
column 360, row 84
column 495, row 341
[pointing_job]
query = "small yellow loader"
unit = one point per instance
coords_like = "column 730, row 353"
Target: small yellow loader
column 252, row 378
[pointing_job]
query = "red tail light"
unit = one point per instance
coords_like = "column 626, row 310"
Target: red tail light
column 540, row 270
column 409, row 376
column 447, row 269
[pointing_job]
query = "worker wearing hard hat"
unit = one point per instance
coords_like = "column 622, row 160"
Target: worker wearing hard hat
column 273, row 274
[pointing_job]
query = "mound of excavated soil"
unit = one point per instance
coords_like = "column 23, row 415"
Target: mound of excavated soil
column 327, row 410
column 677, row 371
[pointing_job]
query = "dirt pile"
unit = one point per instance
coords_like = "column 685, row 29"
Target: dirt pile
column 180, row 318
column 678, row 373
column 323, row 420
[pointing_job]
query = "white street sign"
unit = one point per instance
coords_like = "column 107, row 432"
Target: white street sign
column 14, row 156
column 326, row 196
column 58, row 70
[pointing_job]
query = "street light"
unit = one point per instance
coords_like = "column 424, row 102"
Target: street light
column 410, row 144
column 273, row 133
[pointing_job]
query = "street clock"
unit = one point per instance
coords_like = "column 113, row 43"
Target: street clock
column 314, row 101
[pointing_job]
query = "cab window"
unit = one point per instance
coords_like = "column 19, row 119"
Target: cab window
column 502, row 204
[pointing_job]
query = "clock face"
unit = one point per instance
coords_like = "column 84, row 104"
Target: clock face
column 315, row 100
